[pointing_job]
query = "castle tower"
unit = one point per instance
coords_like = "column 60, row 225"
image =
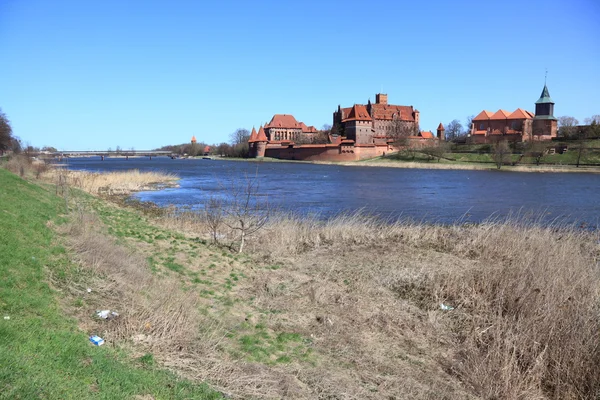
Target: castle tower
column 193, row 139
column 440, row 132
column 252, row 143
column 381, row 98
column 261, row 143
column 544, row 121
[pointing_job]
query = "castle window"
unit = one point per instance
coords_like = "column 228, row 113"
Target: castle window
column 481, row 126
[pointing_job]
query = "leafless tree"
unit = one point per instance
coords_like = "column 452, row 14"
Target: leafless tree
column 246, row 211
column 436, row 151
column 593, row 119
column 536, row 150
column 240, row 136
column 213, row 215
column 501, row 153
column 566, row 125
column 469, row 123
column 453, row 129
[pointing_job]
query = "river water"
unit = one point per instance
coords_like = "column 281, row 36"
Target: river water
column 440, row 196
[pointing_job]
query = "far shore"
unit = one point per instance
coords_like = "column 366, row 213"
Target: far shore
column 388, row 163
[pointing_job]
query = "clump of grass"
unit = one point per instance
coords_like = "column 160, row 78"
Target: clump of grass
column 529, row 312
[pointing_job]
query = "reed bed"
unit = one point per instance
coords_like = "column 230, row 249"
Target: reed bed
column 110, row 183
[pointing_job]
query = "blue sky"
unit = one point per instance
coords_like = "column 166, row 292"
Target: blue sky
column 89, row 75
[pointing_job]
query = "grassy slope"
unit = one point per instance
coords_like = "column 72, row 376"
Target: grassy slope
column 42, row 353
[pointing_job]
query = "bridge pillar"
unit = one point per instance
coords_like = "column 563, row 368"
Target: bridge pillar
column 127, row 157
column 102, row 158
column 151, row 157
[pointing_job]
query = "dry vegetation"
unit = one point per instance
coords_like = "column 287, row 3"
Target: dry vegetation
column 109, row 183
column 525, row 324
column 349, row 308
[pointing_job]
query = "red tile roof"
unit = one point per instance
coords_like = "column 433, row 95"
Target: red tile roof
column 427, row 134
column 307, row 129
column 252, row 136
column 440, row 127
column 283, row 121
column 262, row 137
column 500, row 114
column 483, row 116
column 193, row 139
column 389, row 112
column 358, row 113
column 207, row 149
column 520, row 114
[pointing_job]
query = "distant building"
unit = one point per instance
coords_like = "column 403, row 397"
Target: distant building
column 375, row 123
column 284, row 127
column 519, row 125
column 193, row 140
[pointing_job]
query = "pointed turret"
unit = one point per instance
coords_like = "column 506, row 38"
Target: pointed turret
column 261, row 137
column 252, row 136
column 193, row 139
column 440, row 132
column 261, row 142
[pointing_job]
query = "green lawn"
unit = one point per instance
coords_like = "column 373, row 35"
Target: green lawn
column 43, row 354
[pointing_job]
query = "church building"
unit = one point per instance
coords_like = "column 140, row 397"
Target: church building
column 519, row 125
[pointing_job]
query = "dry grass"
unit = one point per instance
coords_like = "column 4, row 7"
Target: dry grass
column 151, row 309
column 110, row 183
column 527, row 298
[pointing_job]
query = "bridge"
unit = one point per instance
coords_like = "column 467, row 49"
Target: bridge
column 113, row 153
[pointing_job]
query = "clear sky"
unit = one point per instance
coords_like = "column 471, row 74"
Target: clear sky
column 89, row 75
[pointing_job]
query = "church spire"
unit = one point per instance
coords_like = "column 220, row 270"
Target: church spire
column 544, row 107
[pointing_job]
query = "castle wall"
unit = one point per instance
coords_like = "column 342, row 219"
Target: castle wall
column 327, row 152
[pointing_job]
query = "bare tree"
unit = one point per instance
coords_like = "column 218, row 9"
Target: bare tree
column 400, row 133
column 537, row 150
column 593, row 119
column 240, row 136
column 247, row 211
column 453, row 129
column 436, row 151
column 566, row 125
column 501, row 153
column 469, row 123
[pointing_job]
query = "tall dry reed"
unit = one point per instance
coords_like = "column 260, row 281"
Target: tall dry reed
column 111, row 183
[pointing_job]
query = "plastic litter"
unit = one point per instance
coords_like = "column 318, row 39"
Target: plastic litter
column 107, row 314
column 6, row 317
column 97, row 340
column 89, row 290
column 445, row 307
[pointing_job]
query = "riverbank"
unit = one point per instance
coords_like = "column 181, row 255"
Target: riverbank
column 44, row 352
column 350, row 307
column 383, row 162
column 435, row 165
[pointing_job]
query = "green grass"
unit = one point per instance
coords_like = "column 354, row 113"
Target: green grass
column 43, row 354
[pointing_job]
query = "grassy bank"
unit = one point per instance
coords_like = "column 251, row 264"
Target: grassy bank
column 347, row 308
column 43, row 351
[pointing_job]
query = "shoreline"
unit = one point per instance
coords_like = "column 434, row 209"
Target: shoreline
column 378, row 162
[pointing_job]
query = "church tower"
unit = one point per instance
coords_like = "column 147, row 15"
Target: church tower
column 544, row 124
column 544, row 107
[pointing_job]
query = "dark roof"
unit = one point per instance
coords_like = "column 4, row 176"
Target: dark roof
column 545, row 97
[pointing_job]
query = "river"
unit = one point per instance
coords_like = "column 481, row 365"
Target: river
column 439, row 196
